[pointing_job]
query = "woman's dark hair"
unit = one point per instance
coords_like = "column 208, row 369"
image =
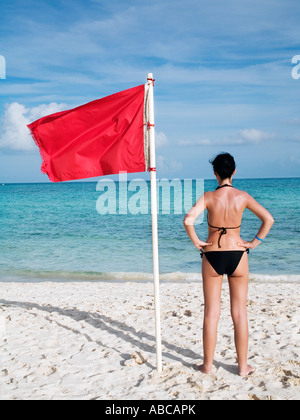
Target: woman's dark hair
column 224, row 165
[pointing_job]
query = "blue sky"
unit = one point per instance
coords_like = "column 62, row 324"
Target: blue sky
column 222, row 69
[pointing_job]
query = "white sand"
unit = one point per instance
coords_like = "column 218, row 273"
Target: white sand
column 75, row 341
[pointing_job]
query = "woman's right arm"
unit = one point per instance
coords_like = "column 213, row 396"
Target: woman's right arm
column 189, row 221
column 267, row 221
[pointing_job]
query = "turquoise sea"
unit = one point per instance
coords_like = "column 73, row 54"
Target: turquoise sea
column 54, row 232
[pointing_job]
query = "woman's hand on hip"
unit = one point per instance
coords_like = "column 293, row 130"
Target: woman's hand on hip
column 200, row 244
column 246, row 244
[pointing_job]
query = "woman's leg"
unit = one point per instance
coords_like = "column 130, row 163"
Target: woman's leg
column 212, row 287
column 238, row 284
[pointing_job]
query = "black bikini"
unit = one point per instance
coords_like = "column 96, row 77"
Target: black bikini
column 224, row 262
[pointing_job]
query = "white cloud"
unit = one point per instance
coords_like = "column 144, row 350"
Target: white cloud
column 292, row 121
column 248, row 136
column 161, row 140
column 254, row 136
column 14, row 131
column 204, row 142
column 168, row 165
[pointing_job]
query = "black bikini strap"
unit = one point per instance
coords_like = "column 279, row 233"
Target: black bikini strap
column 225, row 185
column 203, row 253
column 222, row 230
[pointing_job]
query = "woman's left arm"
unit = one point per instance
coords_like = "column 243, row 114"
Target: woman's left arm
column 264, row 216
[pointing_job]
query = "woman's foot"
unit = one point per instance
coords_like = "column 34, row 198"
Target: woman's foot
column 203, row 369
column 249, row 370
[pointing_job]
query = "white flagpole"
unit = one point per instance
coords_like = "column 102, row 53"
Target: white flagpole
column 150, row 122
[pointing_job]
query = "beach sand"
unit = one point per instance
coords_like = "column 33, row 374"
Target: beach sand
column 96, row 340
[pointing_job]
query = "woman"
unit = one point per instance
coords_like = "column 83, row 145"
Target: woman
column 224, row 252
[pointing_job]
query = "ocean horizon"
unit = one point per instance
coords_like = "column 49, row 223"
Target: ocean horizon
column 133, row 176
column 53, row 232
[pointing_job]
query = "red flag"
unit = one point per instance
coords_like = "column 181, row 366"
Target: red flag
column 103, row 137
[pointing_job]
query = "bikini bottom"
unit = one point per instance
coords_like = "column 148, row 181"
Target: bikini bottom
column 224, row 262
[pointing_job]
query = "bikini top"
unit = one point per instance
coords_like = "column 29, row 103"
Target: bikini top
column 222, row 230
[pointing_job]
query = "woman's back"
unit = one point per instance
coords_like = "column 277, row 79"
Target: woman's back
column 225, row 208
